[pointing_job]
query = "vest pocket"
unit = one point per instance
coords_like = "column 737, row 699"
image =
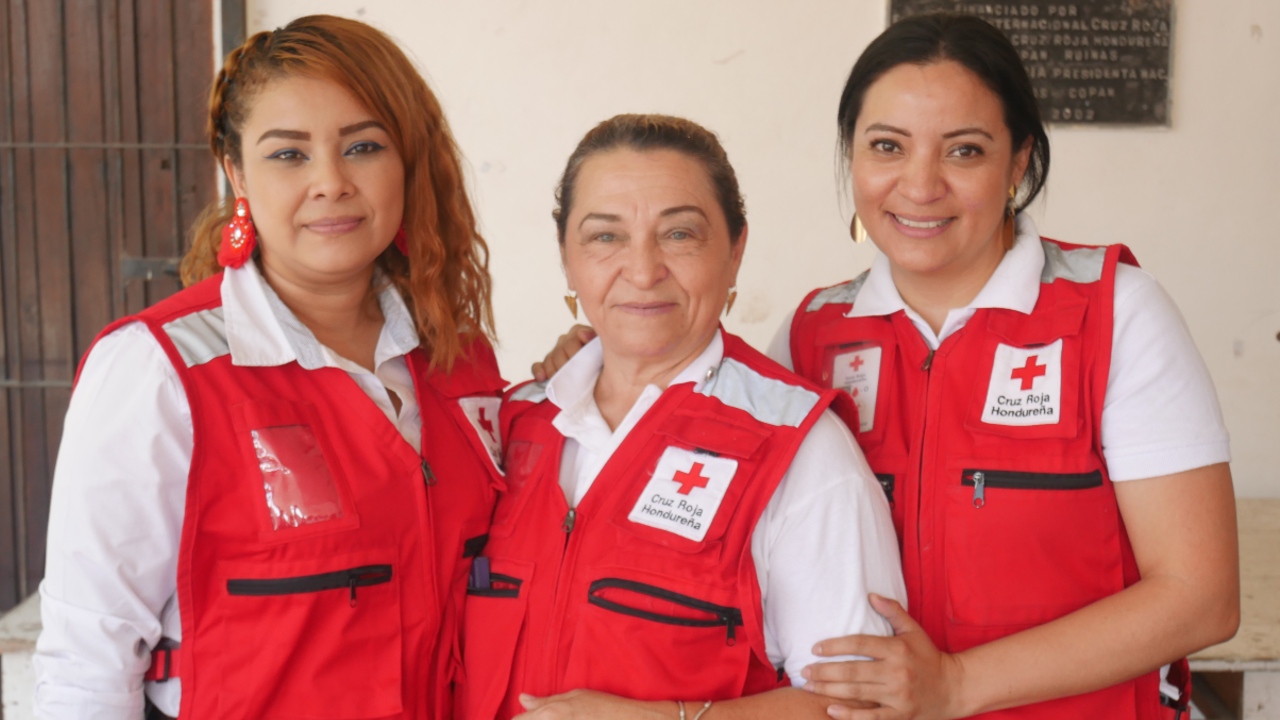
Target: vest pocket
column 1023, row 548
column 667, row 638
column 294, row 636
column 492, row 623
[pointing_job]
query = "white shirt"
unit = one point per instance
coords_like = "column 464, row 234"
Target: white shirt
column 825, row 539
column 120, row 485
column 1160, row 414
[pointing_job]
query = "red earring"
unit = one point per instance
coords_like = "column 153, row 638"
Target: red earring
column 239, row 237
column 401, row 241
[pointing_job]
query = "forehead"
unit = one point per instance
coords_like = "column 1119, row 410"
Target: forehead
column 938, row 96
column 301, row 102
column 625, row 177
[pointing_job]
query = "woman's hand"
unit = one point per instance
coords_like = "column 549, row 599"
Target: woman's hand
column 590, row 705
column 566, row 347
column 907, row 676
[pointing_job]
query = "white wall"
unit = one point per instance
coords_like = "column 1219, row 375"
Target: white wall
column 521, row 82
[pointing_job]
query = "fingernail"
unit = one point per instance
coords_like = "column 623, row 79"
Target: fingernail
column 804, row 673
column 809, row 687
column 525, row 700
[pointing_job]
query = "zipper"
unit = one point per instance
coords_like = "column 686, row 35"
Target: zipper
column 352, row 578
column 566, row 525
column 729, row 617
column 427, row 476
column 511, row 589
column 1015, row 480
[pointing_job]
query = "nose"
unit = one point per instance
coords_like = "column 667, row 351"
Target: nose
column 329, row 177
column 922, row 180
column 646, row 264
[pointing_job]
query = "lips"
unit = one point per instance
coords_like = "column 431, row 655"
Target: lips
column 334, row 225
column 649, row 308
column 921, row 223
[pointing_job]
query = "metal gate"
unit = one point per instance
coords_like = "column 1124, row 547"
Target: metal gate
column 103, row 167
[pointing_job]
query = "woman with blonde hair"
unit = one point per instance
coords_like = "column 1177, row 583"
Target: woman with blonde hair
column 270, row 484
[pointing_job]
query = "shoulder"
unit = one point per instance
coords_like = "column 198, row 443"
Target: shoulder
column 844, row 293
column 770, row 393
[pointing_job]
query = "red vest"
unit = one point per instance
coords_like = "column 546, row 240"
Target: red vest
column 343, row 602
column 601, row 597
column 990, row 451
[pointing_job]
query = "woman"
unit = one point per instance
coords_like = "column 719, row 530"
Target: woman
column 271, row 483
column 1049, row 435
column 682, row 518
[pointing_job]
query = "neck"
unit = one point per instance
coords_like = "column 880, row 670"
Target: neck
column 344, row 315
column 623, row 379
column 934, row 294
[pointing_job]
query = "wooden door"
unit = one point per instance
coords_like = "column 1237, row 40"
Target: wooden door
column 103, row 166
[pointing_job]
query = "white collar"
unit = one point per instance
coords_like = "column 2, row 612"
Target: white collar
column 263, row 332
column 573, row 386
column 1015, row 284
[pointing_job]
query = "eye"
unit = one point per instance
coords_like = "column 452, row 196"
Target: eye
column 605, row 237
column 967, row 151
column 286, row 154
column 680, row 235
column 365, row 147
column 883, row 145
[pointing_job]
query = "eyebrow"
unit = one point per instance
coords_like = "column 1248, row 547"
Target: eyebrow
column 683, row 209
column 881, row 127
column 302, row 135
column 598, row 216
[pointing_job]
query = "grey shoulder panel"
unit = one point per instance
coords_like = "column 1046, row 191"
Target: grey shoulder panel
column 842, row 294
column 766, row 399
column 533, row 392
column 1083, row 265
column 200, row 336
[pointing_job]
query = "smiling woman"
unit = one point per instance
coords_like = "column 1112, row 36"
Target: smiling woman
column 682, row 518
column 242, row 515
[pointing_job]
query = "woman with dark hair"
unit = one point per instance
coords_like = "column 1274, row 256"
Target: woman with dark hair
column 682, row 518
column 1057, row 454
column 1048, row 435
column 270, row 484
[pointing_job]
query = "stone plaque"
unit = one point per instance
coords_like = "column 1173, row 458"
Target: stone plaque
column 1091, row 61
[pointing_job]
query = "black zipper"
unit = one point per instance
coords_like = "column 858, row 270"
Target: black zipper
column 1014, row 480
column 886, row 484
column 512, row 589
column 730, row 618
column 352, row 578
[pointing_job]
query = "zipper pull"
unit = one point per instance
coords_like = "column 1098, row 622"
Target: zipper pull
column 352, row 584
column 928, row 361
column 731, row 637
column 569, row 519
column 979, row 489
column 428, row 476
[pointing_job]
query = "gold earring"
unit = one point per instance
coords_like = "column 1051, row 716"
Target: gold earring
column 1013, row 196
column 572, row 301
column 857, row 230
column 733, row 295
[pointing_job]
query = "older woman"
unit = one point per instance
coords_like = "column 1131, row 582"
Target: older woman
column 682, row 518
column 268, row 482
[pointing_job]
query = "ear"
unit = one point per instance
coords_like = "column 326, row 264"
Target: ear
column 235, row 175
column 736, row 251
column 564, row 267
column 1021, row 161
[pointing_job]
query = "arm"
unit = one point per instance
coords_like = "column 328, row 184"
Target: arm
column 566, row 347
column 824, row 541
column 114, row 526
column 1187, row 599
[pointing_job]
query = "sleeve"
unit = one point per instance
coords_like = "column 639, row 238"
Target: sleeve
column 780, row 346
column 1161, row 414
column 115, row 521
column 825, row 541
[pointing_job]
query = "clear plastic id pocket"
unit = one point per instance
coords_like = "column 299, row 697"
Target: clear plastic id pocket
column 300, row 490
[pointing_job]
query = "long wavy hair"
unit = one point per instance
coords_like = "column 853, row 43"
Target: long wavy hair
column 445, row 277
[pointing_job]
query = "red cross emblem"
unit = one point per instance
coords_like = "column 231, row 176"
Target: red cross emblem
column 486, row 425
column 690, row 480
column 1029, row 372
column 857, row 363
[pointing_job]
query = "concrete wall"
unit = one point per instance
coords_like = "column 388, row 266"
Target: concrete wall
column 521, row 81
